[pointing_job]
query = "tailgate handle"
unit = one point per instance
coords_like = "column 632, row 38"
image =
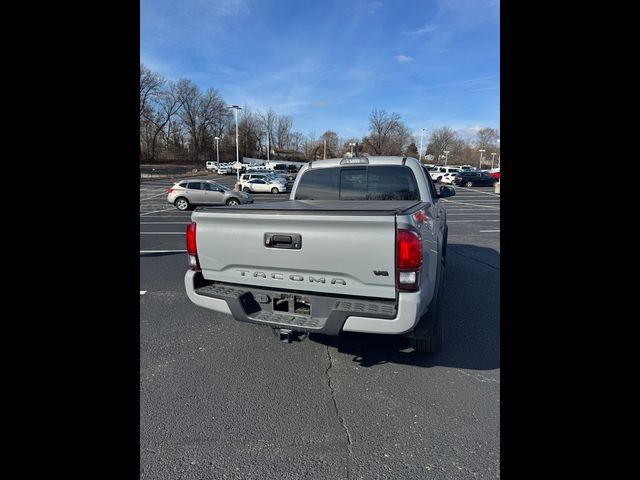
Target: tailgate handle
column 292, row 241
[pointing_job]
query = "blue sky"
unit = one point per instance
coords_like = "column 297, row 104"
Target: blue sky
column 328, row 64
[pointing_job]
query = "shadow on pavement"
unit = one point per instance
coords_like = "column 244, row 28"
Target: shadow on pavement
column 470, row 310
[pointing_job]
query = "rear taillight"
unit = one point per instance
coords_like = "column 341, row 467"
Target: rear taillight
column 408, row 260
column 170, row 190
column 192, row 248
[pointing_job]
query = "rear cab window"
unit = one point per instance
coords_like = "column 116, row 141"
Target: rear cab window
column 372, row 182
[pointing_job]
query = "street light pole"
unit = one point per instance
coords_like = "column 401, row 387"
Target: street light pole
column 480, row 163
column 236, row 108
column 446, row 157
column 325, row 149
column 493, row 157
column 217, row 153
column 421, row 135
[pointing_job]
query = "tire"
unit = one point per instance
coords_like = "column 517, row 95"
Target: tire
column 246, row 189
column 468, row 184
column 438, row 180
column 182, row 204
column 432, row 344
column 428, row 336
column 274, row 190
column 233, row 201
column 443, row 257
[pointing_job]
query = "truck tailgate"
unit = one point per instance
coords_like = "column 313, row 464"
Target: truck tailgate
column 339, row 253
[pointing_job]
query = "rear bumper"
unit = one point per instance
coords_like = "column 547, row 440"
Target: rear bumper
column 329, row 315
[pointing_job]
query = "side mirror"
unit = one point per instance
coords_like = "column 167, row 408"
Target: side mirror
column 446, row 191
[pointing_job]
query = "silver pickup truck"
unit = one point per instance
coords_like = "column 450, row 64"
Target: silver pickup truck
column 358, row 247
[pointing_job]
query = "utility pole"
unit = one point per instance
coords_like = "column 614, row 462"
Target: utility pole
column 217, row 153
column 236, row 108
column 421, row 135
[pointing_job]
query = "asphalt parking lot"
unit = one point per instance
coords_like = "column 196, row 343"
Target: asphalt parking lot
column 224, row 399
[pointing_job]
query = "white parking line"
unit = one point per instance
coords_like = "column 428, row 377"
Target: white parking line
column 471, row 221
column 156, row 211
column 142, row 292
column 480, row 191
column 465, row 214
column 472, row 204
column 461, row 208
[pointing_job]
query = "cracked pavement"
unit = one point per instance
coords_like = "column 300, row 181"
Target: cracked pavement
column 221, row 399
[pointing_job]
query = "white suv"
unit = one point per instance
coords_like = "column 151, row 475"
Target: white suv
column 438, row 173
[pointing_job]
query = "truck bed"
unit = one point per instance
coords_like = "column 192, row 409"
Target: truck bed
column 333, row 207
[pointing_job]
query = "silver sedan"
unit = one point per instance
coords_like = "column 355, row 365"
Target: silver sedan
column 193, row 192
column 263, row 185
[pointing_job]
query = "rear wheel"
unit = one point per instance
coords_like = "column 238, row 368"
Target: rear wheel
column 246, row 189
column 233, row 201
column 182, row 204
column 428, row 336
column 274, row 190
column 468, row 184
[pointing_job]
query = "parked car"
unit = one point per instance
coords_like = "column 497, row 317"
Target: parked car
column 438, row 172
column 263, row 185
column 495, row 173
column 225, row 170
column 474, row 179
column 193, row 192
column 449, row 176
column 245, row 177
column 210, row 165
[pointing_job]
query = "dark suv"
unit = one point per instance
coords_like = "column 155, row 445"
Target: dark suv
column 477, row 179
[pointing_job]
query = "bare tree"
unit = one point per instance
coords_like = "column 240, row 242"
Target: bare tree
column 150, row 85
column 200, row 112
column 297, row 141
column 268, row 124
column 441, row 140
column 311, row 146
column 411, row 151
column 283, row 127
column 486, row 138
column 166, row 105
column 250, row 132
column 331, row 140
column 387, row 134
